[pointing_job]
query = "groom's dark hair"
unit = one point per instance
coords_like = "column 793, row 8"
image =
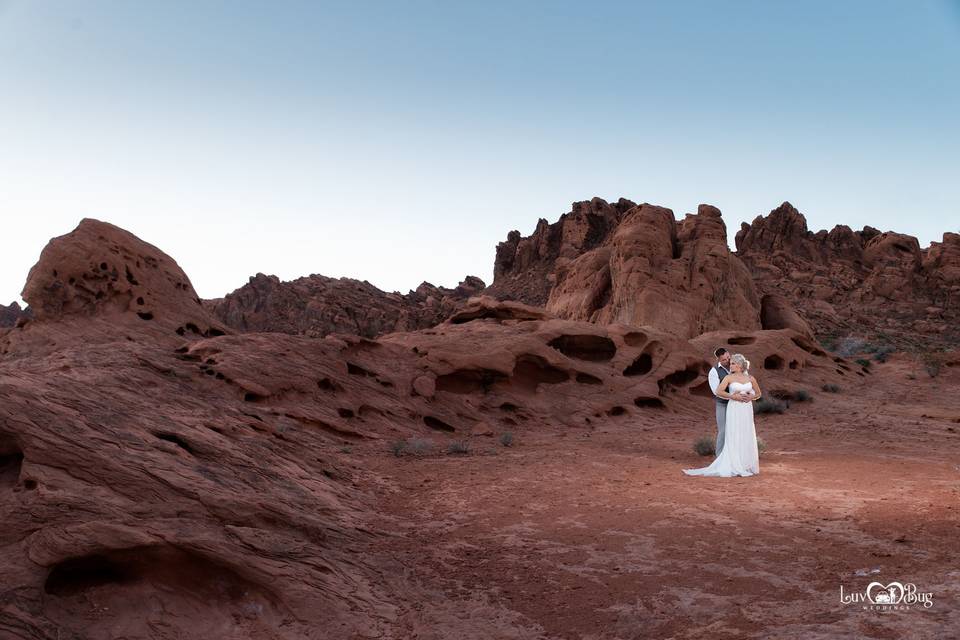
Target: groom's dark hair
column 719, row 351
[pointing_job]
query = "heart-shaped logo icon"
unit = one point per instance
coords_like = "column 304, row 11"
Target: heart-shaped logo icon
column 889, row 594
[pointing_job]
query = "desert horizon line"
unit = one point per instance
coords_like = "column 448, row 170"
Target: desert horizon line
column 730, row 241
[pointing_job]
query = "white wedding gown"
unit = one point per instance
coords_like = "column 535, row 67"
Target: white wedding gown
column 739, row 456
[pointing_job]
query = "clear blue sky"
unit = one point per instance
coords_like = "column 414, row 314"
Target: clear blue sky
column 400, row 141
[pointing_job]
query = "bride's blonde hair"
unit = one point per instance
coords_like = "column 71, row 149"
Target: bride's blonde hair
column 741, row 360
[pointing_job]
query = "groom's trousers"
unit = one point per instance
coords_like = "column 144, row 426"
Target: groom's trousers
column 721, row 424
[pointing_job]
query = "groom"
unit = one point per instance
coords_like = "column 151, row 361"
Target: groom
column 720, row 370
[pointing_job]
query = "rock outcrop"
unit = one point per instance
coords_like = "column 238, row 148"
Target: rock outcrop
column 524, row 267
column 317, row 305
column 101, row 271
column 634, row 265
column 864, row 283
column 11, row 315
column 163, row 481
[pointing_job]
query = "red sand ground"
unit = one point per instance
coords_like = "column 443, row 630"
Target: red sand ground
column 598, row 534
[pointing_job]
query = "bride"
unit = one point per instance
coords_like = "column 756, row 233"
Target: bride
column 739, row 456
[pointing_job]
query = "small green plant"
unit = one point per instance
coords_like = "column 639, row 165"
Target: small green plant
column 506, row 439
column 831, row 388
column 863, row 362
column 346, row 449
column 459, row 447
column 398, row 447
column 767, row 405
column 705, row 446
column 802, row 395
column 761, row 446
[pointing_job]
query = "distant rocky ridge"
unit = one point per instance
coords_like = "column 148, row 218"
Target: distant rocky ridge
column 878, row 285
column 624, row 263
column 317, row 305
column 635, row 264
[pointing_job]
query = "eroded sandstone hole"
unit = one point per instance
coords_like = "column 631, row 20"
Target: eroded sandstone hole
column 648, row 403
column 469, row 380
column 175, row 439
column 681, row 377
column 531, row 370
column 437, row 424
column 586, row 378
column 11, row 460
column 635, row 339
column 161, row 566
column 585, row 347
column 773, row 361
column 79, row 574
column 641, row 366
column 124, row 582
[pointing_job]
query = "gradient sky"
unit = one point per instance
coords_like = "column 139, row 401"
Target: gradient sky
column 400, row 141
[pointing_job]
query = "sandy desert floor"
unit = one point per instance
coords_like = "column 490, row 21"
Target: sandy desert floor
column 598, row 534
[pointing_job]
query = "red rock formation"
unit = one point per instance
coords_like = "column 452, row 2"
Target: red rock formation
column 523, row 268
column 99, row 270
column 606, row 264
column 609, row 263
column 167, row 482
column 864, row 283
column 318, row 305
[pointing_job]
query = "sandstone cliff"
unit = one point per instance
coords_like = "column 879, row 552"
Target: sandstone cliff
column 880, row 285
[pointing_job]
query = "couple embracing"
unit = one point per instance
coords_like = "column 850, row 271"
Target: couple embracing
column 735, row 390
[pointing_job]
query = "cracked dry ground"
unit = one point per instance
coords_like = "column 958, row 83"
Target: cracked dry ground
column 598, row 534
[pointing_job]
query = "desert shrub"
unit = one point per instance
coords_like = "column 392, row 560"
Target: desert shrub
column 849, row 346
column 705, row 446
column 932, row 362
column 768, row 405
column 883, row 352
column 398, row 447
column 802, row 395
column 863, row 362
column 761, row 446
column 506, row 439
column 419, row 446
column 459, row 447
column 831, row 388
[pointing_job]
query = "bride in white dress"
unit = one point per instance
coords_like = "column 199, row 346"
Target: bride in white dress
column 739, row 456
